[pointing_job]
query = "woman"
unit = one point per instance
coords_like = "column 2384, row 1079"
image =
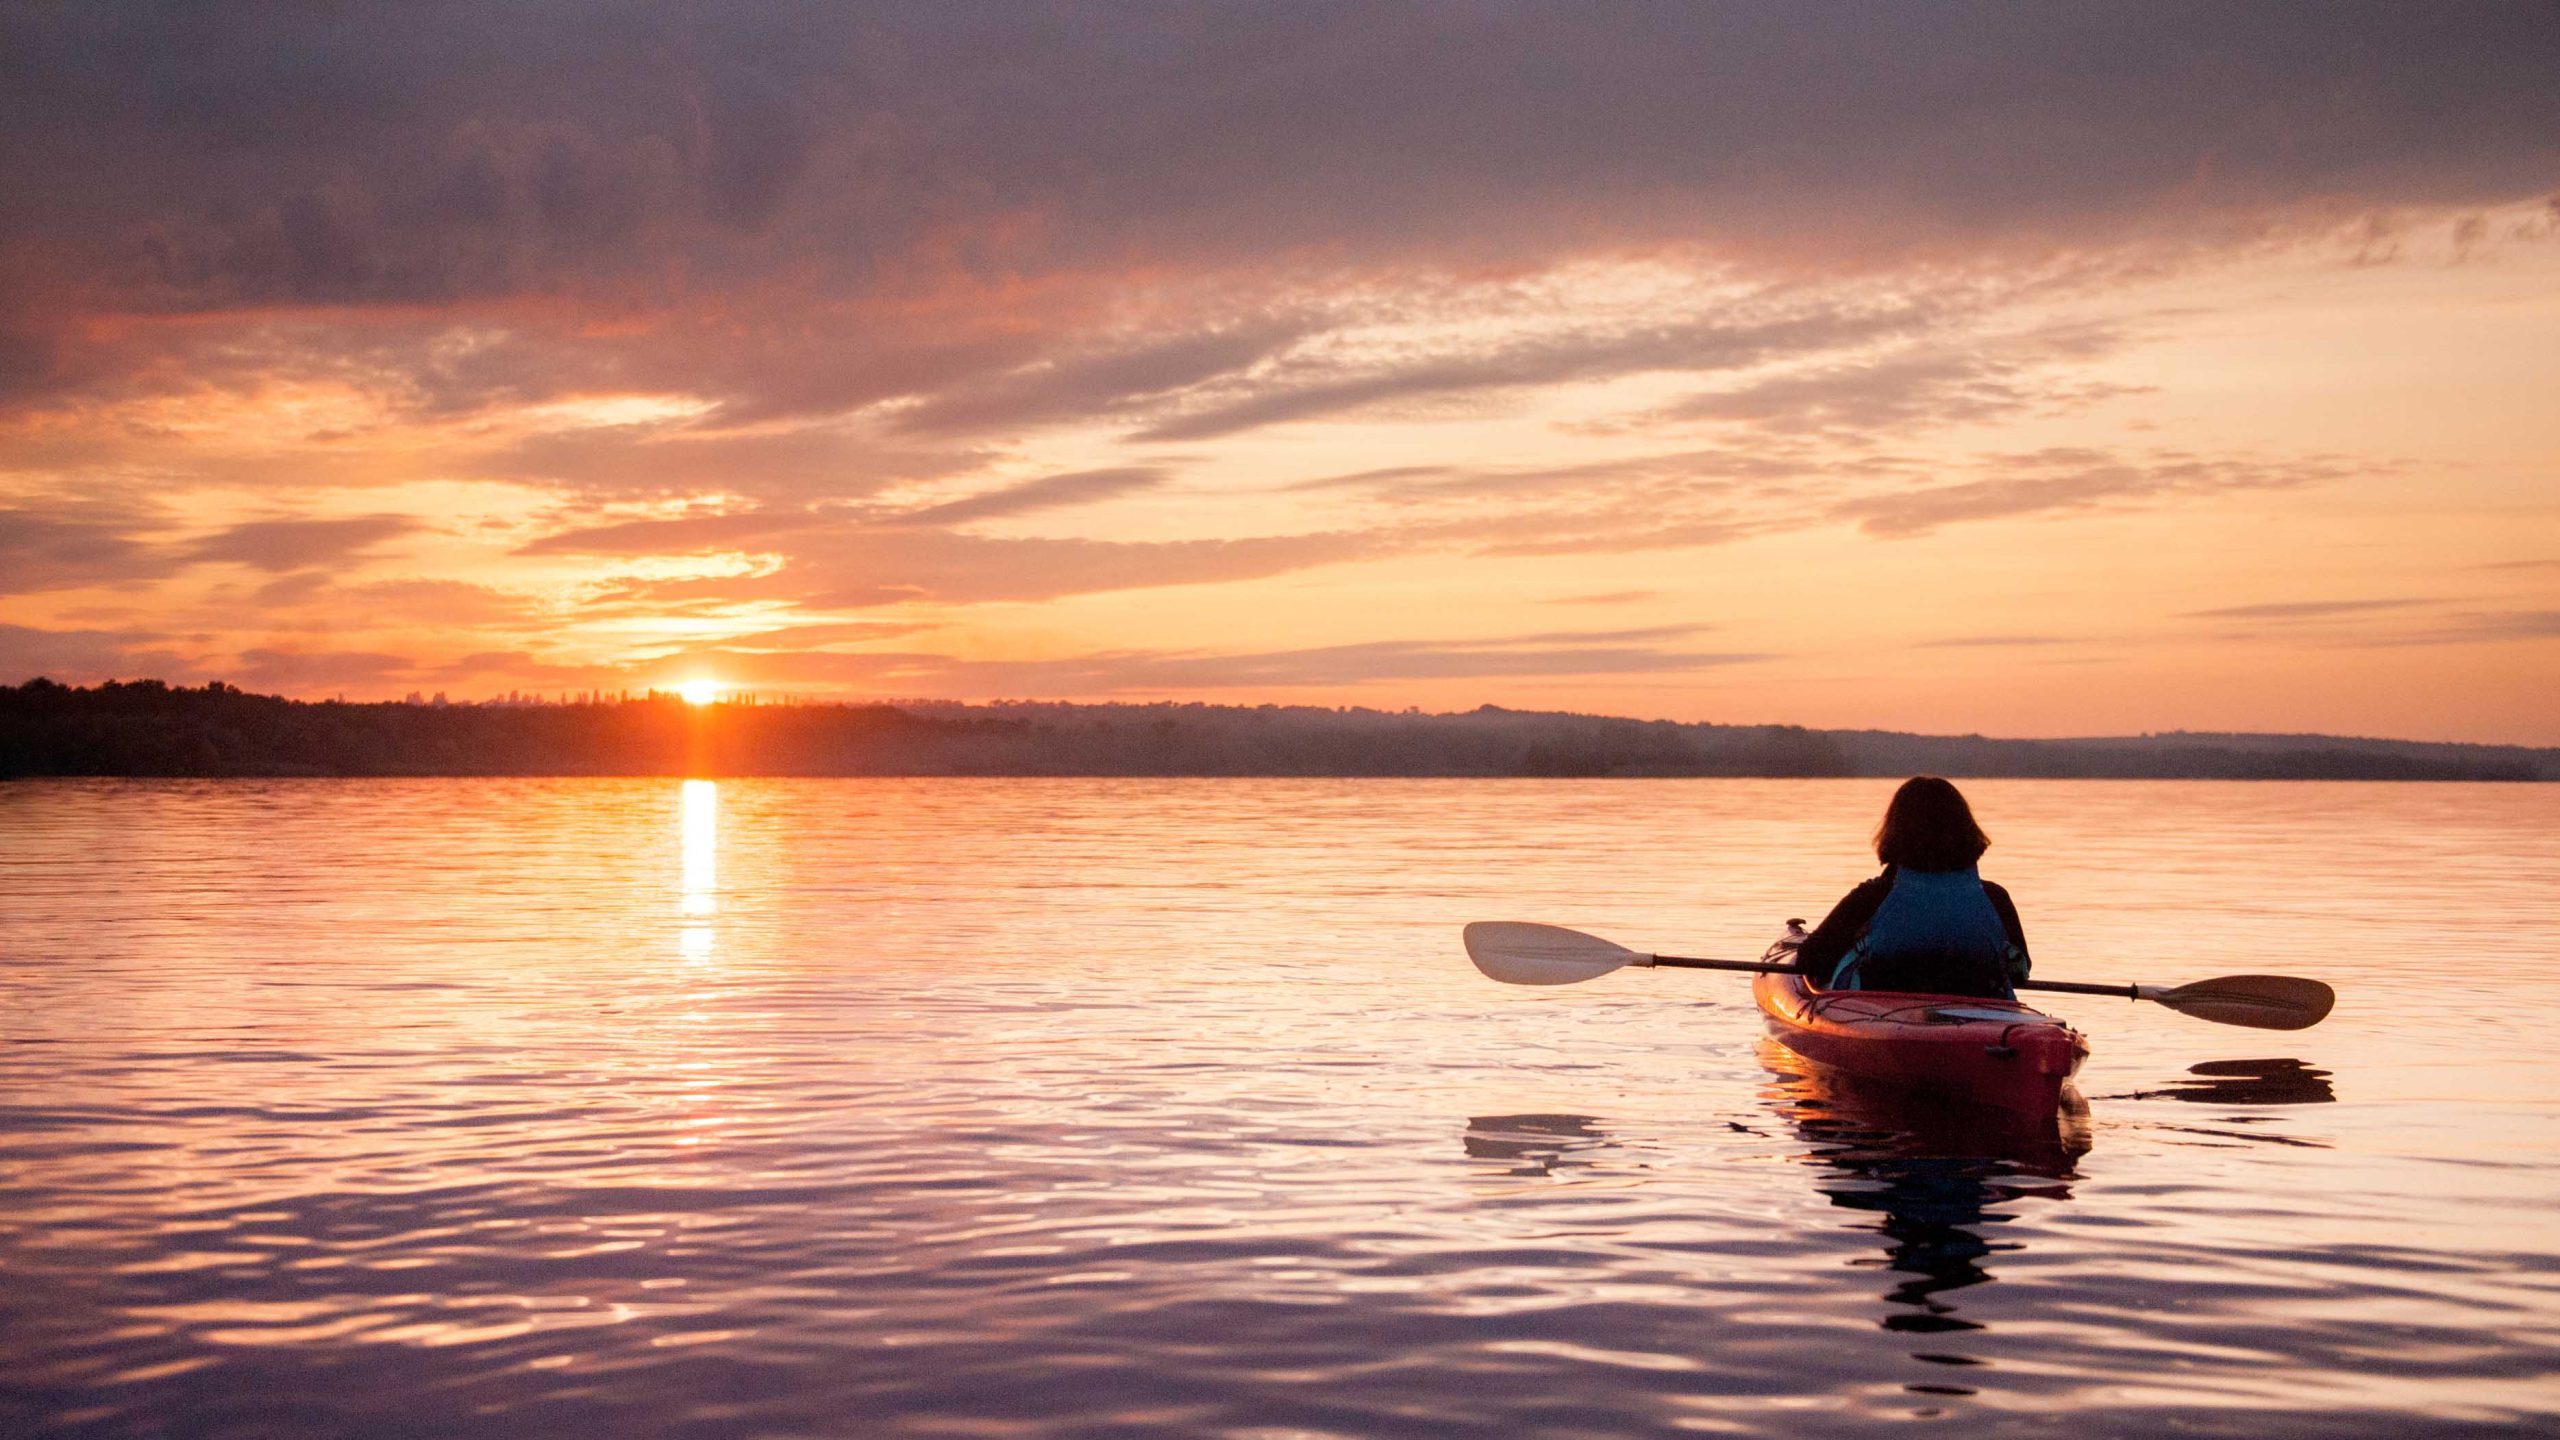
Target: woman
column 1927, row 924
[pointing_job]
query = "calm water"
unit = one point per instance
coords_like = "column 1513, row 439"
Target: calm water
column 1051, row 1108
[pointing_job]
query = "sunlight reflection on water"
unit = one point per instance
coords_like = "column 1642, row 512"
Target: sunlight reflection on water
column 701, row 867
column 1074, row 1107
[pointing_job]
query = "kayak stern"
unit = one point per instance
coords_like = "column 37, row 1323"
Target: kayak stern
column 1992, row 1052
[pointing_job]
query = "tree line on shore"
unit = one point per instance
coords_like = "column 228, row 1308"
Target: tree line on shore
column 147, row 728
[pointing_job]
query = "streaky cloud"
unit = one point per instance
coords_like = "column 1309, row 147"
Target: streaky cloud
column 2304, row 609
column 2477, row 626
column 64, row 544
column 2065, row 480
column 857, row 567
column 1317, row 391
column 279, row 545
column 1998, row 642
column 1169, row 672
column 1049, row 492
column 1608, row 597
column 678, row 534
column 1944, row 382
column 1079, row 386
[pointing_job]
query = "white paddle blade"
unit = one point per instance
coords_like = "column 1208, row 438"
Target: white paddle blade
column 1517, row 952
column 2261, row 1002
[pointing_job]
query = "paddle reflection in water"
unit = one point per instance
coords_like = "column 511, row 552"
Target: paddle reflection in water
column 1938, row 1175
column 1541, row 1144
column 2241, row 1086
column 2253, row 1082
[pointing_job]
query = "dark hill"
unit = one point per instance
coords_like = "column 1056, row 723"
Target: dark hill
column 148, row 728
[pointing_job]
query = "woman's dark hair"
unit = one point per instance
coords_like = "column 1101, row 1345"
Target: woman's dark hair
column 1929, row 827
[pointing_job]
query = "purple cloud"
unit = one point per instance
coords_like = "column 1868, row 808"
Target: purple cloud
column 723, row 175
column 81, row 656
column 280, row 545
column 59, row 544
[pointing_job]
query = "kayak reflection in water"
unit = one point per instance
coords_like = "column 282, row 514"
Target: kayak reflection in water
column 1937, row 1176
column 1929, row 923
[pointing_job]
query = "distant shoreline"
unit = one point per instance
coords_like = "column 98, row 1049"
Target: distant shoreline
column 150, row 729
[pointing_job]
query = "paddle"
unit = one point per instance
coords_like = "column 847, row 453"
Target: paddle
column 1519, row 953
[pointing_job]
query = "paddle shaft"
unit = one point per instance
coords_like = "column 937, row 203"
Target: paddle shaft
column 1766, row 967
column 1520, row 952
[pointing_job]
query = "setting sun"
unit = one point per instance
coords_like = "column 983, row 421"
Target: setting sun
column 700, row 692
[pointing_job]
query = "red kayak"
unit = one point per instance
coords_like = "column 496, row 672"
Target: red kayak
column 1990, row 1052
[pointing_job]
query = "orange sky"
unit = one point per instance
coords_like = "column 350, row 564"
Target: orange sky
column 2043, row 375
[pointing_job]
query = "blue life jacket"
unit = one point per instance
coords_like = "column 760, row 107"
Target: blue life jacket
column 1938, row 933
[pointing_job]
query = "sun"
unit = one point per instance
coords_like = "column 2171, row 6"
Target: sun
column 700, row 692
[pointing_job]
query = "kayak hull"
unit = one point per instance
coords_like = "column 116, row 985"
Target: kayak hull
column 1988, row 1052
column 1875, row 1118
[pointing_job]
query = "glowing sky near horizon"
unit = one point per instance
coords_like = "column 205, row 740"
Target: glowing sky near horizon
column 1954, row 368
